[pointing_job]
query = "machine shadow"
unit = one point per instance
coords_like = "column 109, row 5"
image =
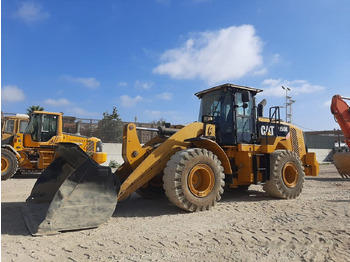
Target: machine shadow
column 245, row 196
column 327, row 179
column 137, row 206
column 12, row 222
column 26, row 176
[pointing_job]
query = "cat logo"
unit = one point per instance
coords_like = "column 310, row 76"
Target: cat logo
column 266, row 130
column 273, row 130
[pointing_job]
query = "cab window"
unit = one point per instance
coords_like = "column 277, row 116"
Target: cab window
column 244, row 119
column 22, row 126
column 9, row 126
column 49, row 127
column 42, row 127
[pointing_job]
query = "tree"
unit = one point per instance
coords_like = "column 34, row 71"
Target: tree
column 160, row 122
column 110, row 127
column 34, row 108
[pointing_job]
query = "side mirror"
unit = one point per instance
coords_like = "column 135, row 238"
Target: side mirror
column 261, row 106
column 245, row 96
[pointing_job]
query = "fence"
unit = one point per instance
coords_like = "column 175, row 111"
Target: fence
column 109, row 131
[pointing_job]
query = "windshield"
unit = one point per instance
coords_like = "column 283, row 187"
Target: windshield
column 233, row 117
column 210, row 105
column 33, row 127
column 42, row 127
column 9, row 126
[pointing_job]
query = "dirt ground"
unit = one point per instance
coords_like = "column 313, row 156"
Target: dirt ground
column 243, row 226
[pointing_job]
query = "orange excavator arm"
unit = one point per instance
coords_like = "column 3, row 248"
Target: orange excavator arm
column 341, row 112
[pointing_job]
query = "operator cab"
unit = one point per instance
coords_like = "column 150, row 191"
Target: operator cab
column 232, row 109
column 14, row 124
column 42, row 127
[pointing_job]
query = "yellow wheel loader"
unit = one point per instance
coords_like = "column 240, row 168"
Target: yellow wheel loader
column 231, row 146
column 34, row 149
column 13, row 124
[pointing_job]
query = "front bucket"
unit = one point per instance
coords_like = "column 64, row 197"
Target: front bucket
column 74, row 192
column 342, row 163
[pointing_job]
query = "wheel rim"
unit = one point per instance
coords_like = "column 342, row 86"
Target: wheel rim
column 290, row 175
column 201, row 180
column 4, row 164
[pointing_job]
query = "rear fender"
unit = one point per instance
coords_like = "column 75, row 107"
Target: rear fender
column 311, row 165
column 100, row 157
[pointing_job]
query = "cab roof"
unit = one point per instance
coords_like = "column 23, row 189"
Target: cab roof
column 229, row 86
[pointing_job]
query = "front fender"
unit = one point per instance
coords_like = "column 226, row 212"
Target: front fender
column 202, row 142
column 9, row 147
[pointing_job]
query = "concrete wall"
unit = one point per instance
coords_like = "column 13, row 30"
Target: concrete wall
column 322, row 155
column 114, row 152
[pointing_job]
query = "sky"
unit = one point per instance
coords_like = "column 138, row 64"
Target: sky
column 147, row 58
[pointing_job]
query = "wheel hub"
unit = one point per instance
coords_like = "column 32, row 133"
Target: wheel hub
column 201, row 180
column 4, row 164
column 290, row 175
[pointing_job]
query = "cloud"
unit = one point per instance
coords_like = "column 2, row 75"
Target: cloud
column 128, row 101
column 274, row 87
column 80, row 112
column 143, row 85
column 261, row 71
column 30, row 12
column 12, row 94
column 327, row 103
column 276, row 59
column 122, row 84
column 159, row 114
column 58, row 102
column 154, row 113
column 214, row 56
column 165, row 96
column 89, row 82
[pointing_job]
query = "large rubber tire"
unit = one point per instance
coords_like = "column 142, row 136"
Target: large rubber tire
column 286, row 175
column 9, row 164
column 194, row 179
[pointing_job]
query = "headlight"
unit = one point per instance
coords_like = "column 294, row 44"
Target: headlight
column 207, row 119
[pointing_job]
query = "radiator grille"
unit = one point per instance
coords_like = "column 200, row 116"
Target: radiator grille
column 295, row 144
column 90, row 147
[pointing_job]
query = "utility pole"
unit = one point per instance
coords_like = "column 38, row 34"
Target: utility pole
column 290, row 113
column 288, row 105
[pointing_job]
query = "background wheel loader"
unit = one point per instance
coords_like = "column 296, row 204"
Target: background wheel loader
column 11, row 125
column 34, row 149
column 341, row 112
column 232, row 146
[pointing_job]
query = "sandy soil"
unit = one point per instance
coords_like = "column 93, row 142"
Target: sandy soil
column 243, row 226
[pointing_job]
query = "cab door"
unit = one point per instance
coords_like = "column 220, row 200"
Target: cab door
column 244, row 117
column 41, row 128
